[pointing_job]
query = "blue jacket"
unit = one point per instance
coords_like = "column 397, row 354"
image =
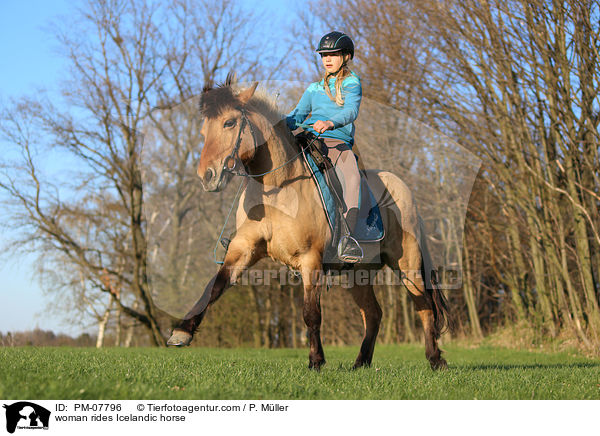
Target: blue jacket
column 316, row 103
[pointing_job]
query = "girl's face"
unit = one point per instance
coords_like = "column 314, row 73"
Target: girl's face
column 332, row 61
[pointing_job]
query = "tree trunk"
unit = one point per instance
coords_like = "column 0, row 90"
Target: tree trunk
column 293, row 320
column 470, row 297
column 408, row 318
column 102, row 325
column 390, row 320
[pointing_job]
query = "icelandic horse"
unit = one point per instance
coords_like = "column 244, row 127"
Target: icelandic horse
column 244, row 135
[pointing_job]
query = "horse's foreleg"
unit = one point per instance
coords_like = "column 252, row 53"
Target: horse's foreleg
column 371, row 313
column 311, row 277
column 182, row 335
column 241, row 254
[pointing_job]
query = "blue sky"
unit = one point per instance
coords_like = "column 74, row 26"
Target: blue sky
column 29, row 60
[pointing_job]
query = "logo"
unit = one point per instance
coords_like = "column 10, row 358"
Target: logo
column 26, row 415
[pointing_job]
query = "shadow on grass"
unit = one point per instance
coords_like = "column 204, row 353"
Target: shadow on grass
column 511, row 366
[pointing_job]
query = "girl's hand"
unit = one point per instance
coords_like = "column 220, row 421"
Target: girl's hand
column 321, row 126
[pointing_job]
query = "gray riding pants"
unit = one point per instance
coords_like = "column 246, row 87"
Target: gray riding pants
column 346, row 167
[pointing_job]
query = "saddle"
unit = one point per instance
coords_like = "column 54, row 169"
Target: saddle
column 369, row 224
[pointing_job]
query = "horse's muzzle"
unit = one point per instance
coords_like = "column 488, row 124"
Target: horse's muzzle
column 213, row 181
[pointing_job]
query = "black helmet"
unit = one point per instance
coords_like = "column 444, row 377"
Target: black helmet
column 336, row 41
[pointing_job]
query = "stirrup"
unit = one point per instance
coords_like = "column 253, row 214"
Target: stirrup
column 349, row 250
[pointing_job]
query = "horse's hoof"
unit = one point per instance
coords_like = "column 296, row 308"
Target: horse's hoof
column 439, row 365
column 316, row 366
column 179, row 338
column 358, row 365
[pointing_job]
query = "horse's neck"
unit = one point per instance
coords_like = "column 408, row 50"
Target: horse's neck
column 287, row 188
column 279, row 158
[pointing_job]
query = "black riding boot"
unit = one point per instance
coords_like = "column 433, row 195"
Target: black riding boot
column 349, row 250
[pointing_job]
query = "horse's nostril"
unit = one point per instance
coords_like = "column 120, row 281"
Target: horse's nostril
column 209, row 175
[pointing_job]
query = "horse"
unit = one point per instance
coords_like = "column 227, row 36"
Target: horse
column 244, row 134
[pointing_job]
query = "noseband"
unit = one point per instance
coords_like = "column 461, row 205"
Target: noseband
column 234, row 156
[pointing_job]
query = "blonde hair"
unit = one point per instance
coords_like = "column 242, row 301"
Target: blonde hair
column 339, row 78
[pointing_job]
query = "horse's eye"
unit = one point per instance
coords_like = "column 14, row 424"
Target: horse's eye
column 229, row 123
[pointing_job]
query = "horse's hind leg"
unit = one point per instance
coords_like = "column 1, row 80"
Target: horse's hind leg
column 371, row 314
column 311, row 277
column 410, row 264
column 423, row 305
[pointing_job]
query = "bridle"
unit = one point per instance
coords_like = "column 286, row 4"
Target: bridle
column 234, row 155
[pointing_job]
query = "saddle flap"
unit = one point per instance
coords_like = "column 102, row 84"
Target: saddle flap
column 369, row 225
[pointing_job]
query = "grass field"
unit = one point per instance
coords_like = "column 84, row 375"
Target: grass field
column 398, row 372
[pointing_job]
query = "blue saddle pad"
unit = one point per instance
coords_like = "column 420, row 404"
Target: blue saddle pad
column 369, row 225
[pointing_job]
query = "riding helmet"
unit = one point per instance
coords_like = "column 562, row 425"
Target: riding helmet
column 336, row 41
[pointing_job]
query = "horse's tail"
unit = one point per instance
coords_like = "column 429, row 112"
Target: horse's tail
column 441, row 313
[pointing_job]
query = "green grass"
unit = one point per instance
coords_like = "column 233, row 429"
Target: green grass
column 398, row 372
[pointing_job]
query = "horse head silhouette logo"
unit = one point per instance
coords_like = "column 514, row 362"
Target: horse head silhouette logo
column 26, row 415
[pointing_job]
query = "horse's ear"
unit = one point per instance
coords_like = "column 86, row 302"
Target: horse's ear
column 230, row 79
column 247, row 94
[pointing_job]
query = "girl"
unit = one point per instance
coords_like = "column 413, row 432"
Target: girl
column 331, row 106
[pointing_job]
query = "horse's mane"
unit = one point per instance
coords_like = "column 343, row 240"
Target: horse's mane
column 216, row 99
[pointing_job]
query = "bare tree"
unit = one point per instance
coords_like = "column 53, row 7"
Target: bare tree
column 84, row 213
column 524, row 96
